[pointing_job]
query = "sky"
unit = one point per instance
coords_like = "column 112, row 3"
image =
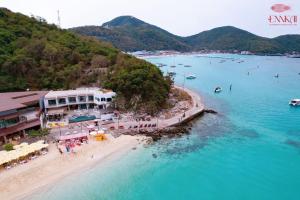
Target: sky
column 180, row 17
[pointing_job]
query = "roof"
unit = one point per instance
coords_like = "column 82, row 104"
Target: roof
column 15, row 100
column 74, row 136
column 79, row 91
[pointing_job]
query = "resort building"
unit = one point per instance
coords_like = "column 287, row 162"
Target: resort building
column 19, row 112
column 88, row 102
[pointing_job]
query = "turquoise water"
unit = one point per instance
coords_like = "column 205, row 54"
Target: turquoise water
column 250, row 150
column 82, row 118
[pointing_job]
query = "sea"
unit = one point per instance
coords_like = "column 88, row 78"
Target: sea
column 250, row 150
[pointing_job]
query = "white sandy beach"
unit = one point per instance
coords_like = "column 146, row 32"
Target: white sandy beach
column 46, row 170
column 24, row 180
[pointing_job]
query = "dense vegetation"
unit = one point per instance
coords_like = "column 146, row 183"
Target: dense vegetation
column 36, row 55
column 131, row 34
column 135, row 82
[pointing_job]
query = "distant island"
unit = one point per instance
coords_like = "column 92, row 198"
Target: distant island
column 131, row 34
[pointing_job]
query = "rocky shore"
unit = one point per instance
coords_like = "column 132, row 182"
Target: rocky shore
column 177, row 130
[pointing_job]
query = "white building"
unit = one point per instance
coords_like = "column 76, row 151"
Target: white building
column 81, row 98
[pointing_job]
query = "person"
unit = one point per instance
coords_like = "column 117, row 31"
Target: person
column 230, row 87
column 248, row 73
column 60, row 151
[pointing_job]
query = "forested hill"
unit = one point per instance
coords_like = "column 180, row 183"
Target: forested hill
column 131, row 34
column 36, row 55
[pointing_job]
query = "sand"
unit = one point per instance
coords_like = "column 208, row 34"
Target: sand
column 22, row 181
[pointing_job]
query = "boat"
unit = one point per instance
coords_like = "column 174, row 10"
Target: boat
column 172, row 73
column 173, row 66
column 295, row 102
column 187, row 66
column 218, row 89
column 190, row 77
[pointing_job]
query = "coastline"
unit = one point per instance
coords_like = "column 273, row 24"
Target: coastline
column 43, row 172
column 53, row 166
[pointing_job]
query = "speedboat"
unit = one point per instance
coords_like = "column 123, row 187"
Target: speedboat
column 218, row 89
column 295, row 102
column 172, row 73
column 191, row 77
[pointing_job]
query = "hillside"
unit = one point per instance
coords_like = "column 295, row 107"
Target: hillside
column 131, row 34
column 36, row 55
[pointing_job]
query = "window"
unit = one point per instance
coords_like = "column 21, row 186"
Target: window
column 61, row 101
column 91, row 98
column 102, row 99
column 52, row 102
column 97, row 99
column 108, row 99
column 72, row 99
column 82, row 98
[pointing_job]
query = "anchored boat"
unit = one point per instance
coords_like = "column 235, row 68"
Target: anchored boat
column 218, row 89
column 190, row 77
column 295, row 102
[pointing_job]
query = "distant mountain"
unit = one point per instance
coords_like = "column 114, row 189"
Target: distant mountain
column 231, row 38
column 131, row 34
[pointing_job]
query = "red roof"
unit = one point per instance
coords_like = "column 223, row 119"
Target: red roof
column 15, row 100
column 73, row 136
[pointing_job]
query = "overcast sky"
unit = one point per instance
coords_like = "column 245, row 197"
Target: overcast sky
column 181, row 17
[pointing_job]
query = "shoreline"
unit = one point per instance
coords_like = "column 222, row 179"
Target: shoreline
column 53, row 166
column 172, row 54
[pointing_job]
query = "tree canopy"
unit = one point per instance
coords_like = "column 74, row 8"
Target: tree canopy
column 37, row 55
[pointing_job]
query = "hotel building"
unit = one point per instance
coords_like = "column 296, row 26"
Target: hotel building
column 19, row 112
column 59, row 102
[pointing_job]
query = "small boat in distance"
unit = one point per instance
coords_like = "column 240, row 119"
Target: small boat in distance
column 190, row 77
column 187, row 66
column 172, row 73
column 173, row 66
column 295, row 102
column 218, row 89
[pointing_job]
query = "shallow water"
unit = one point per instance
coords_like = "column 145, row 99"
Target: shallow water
column 250, row 150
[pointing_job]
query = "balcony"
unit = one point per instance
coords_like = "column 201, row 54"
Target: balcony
column 19, row 127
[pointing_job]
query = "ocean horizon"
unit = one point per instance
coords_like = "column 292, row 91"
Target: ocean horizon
column 249, row 150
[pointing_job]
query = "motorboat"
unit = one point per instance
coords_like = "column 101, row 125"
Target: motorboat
column 173, row 66
column 172, row 73
column 295, row 102
column 190, row 77
column 218, row 89
column 187, row 66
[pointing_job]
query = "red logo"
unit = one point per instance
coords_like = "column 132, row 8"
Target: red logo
column 280, row 8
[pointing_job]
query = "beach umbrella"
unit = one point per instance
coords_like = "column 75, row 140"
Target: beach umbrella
column 93, row 133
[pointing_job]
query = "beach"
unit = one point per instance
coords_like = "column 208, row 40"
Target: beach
column 48, row 169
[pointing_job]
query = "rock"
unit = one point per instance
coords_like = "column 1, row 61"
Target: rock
column 154, row 155
column 210, row 111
